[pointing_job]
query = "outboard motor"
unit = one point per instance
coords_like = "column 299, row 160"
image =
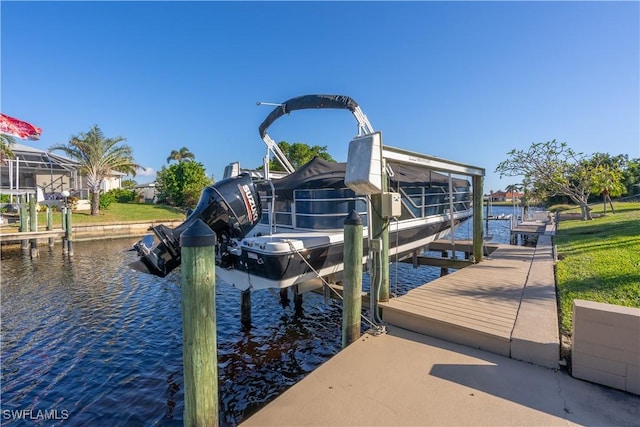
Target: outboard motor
column 231, row 208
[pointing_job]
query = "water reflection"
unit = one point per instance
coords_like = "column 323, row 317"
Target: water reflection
column 104, row 343
column 89, row 336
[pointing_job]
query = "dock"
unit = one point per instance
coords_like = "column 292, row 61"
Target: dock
column 453, row 355
column 407, row 379
column 480, row 305
column 28, row 235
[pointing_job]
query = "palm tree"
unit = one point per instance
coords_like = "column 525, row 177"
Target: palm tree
column 99, row 157
column 182, row 155
column 6, row 141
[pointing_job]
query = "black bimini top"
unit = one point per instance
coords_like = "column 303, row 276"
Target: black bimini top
column 306, row 102
column 319, row 173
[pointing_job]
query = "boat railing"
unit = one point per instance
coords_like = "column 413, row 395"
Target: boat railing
column 313, row 213
column 426, row 205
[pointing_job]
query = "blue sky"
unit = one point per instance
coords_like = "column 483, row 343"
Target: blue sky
column 466, row 81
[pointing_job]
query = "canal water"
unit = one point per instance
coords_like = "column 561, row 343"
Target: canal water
column 87, row 341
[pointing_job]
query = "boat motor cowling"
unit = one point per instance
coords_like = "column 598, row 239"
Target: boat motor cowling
column 231, row 208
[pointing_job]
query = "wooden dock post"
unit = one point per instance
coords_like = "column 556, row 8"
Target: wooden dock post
column 24, row 219
column 50, row 224
column 478, row 237
column 199, row 326
column 69, row 232
column 444, row 270
column 245, row 309
column 63, row 211
column 284, row 297
column 33, row 225
column 352, row 294
column 380, row 229
column 297, row 301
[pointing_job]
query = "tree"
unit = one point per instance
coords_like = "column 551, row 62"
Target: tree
column 299, row 154
column 554, row 168
column 98, row 158
column 181, row 155
column 128, row 184
column 631, row 176
column 181, row 183
column 6, row 141
column 607, row 180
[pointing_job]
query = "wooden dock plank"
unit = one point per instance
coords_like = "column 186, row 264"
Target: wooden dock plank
column 436, row 308
column 442, row 298
column 476, row 306
column 477, row 322
column 27, row 235
column 472, row 322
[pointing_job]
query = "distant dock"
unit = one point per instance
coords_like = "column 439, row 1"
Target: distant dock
column 28, row 235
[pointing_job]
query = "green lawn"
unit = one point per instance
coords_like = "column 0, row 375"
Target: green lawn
column 599, row 260
column 118, row 212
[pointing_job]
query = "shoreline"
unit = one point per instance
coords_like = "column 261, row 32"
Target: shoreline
column 100, row 231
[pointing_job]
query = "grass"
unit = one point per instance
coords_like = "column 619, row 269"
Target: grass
column 118, row 212
column 599, row 260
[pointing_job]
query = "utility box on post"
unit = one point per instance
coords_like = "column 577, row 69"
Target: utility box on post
column 364, row 164
column 391, row 205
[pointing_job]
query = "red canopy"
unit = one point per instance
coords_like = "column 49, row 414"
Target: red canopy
column 18, row 128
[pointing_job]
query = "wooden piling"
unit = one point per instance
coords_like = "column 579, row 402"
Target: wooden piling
column 245, row 309
column 65, row 248
column 380, row 229
column 50, row 224
column 199, row 326
column 444, row 270
column 352, row 294
column 297, row 301
column 478, row 236
column 69, row 232
column 284, row 297
column 33, row 225
column 24, row 221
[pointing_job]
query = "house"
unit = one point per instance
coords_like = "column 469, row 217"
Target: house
column 505, row 196
column 32, row 168
column 147, row 192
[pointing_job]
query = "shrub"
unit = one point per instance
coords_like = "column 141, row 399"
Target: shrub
column 123, row 195
column 73, row 202
column 561, row 207
column 106, row 199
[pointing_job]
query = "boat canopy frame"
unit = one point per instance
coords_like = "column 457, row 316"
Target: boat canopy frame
column 306, row 102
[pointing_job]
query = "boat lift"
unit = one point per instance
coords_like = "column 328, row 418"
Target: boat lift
column 369, row 142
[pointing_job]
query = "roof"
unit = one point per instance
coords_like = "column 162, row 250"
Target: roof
column 35, row 158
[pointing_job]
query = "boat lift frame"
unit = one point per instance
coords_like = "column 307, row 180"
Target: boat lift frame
column 388, row 153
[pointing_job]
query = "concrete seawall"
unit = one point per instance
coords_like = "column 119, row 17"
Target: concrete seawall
column 117, row 230
column 113, row 230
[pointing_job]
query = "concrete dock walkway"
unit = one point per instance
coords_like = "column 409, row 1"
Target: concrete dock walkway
column 407, row 379
column 500, row 321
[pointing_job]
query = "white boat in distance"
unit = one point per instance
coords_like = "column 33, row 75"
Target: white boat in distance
column 277, row 233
